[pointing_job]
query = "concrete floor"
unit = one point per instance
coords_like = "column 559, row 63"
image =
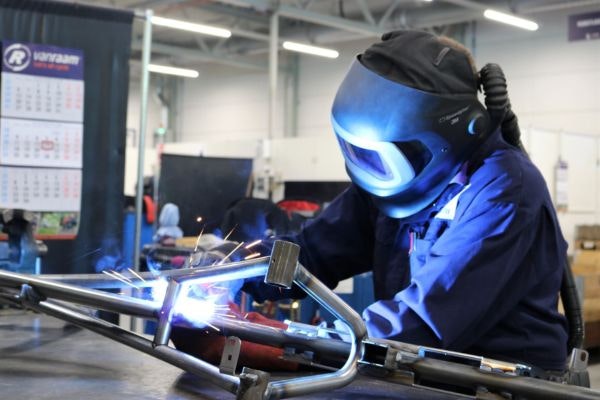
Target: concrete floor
column 45, row 359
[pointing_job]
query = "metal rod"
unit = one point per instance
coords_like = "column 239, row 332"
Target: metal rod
column 164, row 353
column 271, row 336
column 273, row 71
column 530, row 388
column 84, row 296
column 149, row 279
column 163, row 330
column 146, row 51
column 357, row 332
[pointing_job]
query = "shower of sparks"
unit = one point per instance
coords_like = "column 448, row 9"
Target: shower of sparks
column 251, row 256
column 251, row 245
column 122, row 280
column 230, row 253
column 230, row 232
column 121, row 276
column 136, row 274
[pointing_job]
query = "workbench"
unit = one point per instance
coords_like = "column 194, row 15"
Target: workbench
column 44, row 358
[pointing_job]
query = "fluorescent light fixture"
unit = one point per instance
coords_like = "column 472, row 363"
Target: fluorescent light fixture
column 165, row 69
column 192, row 27
column 314, row 50
column 511, row 20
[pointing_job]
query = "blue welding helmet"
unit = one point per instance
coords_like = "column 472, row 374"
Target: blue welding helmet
column 401, row 144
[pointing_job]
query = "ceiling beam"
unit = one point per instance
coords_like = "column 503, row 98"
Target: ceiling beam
column 196, row 55
column 310, row 16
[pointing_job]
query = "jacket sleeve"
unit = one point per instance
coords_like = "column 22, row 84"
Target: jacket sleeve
column 338, row 244
column 334, row 246
column 474, row 266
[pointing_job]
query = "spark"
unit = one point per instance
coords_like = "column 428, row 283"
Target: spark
column 251, row 256
column 199, row 219
column 88, row 254
column 121, row 276
column 122, row 280
column 230, row 253
column 230, row 232
column 198, row 240
column 136, row 274
column 212, row 326
column 253, row 244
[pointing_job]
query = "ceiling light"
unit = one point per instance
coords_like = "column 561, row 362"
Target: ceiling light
column 165, row 69
column 192, row 27
column 511, row 20
column 314, row 50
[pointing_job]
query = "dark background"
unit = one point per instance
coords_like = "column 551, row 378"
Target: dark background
column 106, row 72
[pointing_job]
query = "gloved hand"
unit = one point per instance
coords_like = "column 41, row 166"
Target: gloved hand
column 208, row 344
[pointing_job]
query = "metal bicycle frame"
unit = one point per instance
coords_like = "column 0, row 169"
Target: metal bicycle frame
column 47, row 294
column 40, row 294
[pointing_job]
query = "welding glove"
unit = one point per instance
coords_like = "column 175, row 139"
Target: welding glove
column 208, row 345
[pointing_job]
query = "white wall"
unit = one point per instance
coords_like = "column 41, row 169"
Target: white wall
column 554, row 86
column 553, row 83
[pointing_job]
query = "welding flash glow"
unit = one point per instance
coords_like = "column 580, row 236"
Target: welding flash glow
column 159, row 290
column 199, row 219
column 197, row 312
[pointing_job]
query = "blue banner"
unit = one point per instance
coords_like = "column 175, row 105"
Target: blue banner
column 42, row 60
column 584, row 26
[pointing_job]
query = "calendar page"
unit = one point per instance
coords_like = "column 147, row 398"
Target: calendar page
column 38, row 97
column 40, row 189
column 40, row 143
column 41, row 134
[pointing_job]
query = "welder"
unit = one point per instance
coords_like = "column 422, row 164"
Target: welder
column 445, row 208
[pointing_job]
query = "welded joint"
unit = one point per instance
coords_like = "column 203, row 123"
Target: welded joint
column 253, row 384
column 165, row 317
column 28, row 294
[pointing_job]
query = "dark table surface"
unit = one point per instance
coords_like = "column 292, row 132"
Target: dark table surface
column 44, row 358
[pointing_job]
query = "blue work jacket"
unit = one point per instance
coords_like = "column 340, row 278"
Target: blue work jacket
column 478, row 271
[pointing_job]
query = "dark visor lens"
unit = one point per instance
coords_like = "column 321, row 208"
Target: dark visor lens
column 366, row 159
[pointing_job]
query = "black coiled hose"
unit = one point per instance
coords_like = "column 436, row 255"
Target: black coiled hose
column 572, row 306
column 497, row 103
column 494, row 86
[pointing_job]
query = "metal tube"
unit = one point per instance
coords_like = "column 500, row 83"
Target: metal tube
column 102, row 281
column 164, row 353
column 163, row 330
column 267, row 335
column 530, row 388
column 88, row 297
column 273, row 71
column 226, row 272
column 358, row 331
column 146, row 50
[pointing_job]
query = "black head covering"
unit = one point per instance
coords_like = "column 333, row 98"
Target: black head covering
column 418, row 60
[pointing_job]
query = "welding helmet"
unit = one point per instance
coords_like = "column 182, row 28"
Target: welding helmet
column 407, row 117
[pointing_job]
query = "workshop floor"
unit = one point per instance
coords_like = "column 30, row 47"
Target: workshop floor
column 44, row 359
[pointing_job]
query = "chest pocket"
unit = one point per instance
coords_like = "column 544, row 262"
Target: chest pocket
column 422, row 243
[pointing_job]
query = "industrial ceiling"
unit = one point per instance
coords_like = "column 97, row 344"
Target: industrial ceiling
column 318, row 22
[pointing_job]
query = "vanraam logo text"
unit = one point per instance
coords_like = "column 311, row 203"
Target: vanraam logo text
column 17, row 57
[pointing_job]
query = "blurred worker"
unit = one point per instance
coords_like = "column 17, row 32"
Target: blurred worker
column 453, row 219
column 168, row 228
